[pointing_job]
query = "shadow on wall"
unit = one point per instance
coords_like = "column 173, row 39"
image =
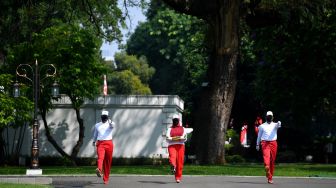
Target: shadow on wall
column 61, row 131
column 137, row 133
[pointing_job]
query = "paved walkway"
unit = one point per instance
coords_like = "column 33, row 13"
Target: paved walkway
column 119, row 181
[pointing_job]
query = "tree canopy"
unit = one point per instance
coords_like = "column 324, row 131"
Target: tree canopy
column 174, row 45
column 67, row 34
column 130, row 76
column 278, row 18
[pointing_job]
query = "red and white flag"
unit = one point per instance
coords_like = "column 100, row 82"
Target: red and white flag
column 243, row 135
column 105, row 86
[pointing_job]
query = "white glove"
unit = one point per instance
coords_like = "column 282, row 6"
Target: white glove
column 257, row 147
column 111, row 123
column 279, row 123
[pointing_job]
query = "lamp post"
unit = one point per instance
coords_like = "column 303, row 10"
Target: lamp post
column 35, row 73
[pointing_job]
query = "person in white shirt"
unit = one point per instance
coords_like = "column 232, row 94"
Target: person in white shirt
column 267, row 137
column 176, row 136
column 102, row 139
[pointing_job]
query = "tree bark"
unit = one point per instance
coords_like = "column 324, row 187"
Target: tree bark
column 2, row 147
column 79, row 143
column 222, row 75
column 223, row 34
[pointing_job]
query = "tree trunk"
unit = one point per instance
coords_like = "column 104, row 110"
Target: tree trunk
column 79, row 143
column 2, row 149
column 222, row 76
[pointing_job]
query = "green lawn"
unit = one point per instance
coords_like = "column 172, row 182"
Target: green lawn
column 303, row 170
column 9, row 185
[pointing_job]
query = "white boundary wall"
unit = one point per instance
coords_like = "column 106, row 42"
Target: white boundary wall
column 141, row 123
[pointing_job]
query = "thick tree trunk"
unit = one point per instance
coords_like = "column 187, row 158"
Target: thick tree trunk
column 217, row 98
column 2, row 149
column 79, row 143
column 222, row 76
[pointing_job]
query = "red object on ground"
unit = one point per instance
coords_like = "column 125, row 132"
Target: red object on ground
column 269, row 150
column 176, row 159
column 104, row 161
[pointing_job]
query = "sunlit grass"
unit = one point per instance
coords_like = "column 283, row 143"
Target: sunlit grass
column 302, row 170
column 11, row 185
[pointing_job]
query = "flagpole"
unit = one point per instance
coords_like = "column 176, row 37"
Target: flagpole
column 105, row 89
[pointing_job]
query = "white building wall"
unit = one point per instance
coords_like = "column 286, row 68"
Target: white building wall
column 141, row 123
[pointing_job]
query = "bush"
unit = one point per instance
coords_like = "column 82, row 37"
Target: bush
column 286, row 157
column 51, row 161
column 235, row 159
column 233, row 147
column 87, row 161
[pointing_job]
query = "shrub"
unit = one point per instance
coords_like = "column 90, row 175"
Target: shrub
column 286, row 157
column 235, row 159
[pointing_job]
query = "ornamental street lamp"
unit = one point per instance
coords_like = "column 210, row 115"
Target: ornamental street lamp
column 49, row 71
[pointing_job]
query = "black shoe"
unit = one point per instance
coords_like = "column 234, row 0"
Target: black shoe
column 173, row 170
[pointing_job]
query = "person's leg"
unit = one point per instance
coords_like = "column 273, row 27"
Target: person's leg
column 266, row 156
column 273, row 152
column 100, row 159
column 107, row 160
column 180, row 161
column 172, row 156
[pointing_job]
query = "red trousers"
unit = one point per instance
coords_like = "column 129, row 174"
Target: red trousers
column 176, row 159
column 104, row 161
column 269, row 150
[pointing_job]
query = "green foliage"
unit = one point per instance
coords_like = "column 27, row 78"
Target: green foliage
column 125, row 82
column 138, row 66
column 233, row 144
column 21, row 19
column 287, row 68
column 174, row 45
column 75, row 52
column 15, row 185
column 131, row 75
column 287, row 156
column 300, row 54
column 235, row 159
column 13, row 111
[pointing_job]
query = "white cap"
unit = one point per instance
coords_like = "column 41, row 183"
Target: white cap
column 104, row 112
column 175, row 116
column 269, row 113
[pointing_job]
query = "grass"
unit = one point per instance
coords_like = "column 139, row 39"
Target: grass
column 10, row 185
column 295, row 170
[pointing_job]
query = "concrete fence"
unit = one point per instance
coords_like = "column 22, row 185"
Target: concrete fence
column 141, row 123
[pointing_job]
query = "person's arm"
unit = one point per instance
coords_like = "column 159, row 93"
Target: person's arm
column 95, row 135
column 111, row 123
column 259, row 137
column 186, row 131
column 278, row 124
